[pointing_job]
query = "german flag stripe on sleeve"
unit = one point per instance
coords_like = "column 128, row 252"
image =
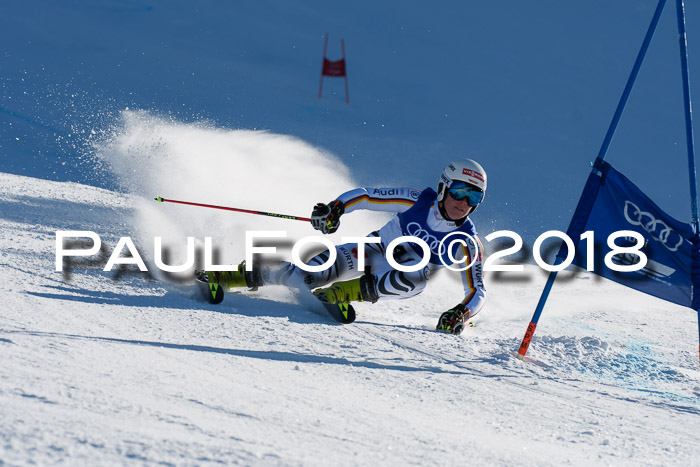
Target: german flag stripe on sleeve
column 378, row 201
column 469, row 278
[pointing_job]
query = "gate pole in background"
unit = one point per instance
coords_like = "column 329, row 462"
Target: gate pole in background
column 336, row 69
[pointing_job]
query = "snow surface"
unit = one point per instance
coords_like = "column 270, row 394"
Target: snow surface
column 116, row 368
column 107, row 104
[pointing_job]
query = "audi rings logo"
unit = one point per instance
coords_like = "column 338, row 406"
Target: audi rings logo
column 414, row 229
column 658, row 229
column 440, row 247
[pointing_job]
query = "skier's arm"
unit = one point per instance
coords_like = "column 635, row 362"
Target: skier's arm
column 453, row 320
column 326, row 217
column 379, row 199
column 473, row 278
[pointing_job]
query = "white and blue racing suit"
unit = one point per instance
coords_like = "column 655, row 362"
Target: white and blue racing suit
column 418, row 215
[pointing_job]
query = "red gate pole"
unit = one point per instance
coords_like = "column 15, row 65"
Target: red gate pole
column 347, row 94
column 325, row 48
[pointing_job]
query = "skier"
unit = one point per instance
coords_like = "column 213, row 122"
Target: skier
column 427, row 215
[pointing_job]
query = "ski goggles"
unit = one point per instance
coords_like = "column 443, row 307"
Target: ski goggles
column 461, row 190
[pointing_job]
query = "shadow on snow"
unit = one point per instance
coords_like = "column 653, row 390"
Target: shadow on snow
column 235, row 303
column 270, row 355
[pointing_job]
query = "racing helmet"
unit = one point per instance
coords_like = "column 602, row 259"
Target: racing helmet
column 466, row 171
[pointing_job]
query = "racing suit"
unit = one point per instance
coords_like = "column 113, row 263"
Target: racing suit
column 418, row 215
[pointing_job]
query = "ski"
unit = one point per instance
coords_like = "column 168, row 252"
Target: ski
column 211, row 291
column 343, row 313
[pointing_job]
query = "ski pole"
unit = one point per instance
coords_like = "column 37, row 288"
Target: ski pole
column 225, row 208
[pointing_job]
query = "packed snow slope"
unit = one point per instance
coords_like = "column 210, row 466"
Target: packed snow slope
column 121, row 367
column 106, row 104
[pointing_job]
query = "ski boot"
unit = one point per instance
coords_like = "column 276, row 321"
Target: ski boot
column 338, row 296
column 213, row 283
column 361, row 289
column 235, row 279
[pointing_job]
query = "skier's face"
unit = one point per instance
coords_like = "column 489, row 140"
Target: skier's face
column 456, row 210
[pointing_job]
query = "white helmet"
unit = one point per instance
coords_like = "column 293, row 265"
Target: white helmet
column 464, row 170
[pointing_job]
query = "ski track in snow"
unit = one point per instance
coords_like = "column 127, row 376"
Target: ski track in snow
column 104, row 369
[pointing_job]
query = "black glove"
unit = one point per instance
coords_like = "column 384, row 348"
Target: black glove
column 326, row 217
column 452, row 321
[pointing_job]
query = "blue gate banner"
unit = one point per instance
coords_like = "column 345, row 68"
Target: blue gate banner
column 611, row 203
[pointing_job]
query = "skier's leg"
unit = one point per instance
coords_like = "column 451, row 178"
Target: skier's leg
column 382, row 283
column 344, row 267
column 392, row 284
column 288, row 274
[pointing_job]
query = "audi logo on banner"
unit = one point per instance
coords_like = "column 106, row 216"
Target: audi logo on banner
column 658, row 229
